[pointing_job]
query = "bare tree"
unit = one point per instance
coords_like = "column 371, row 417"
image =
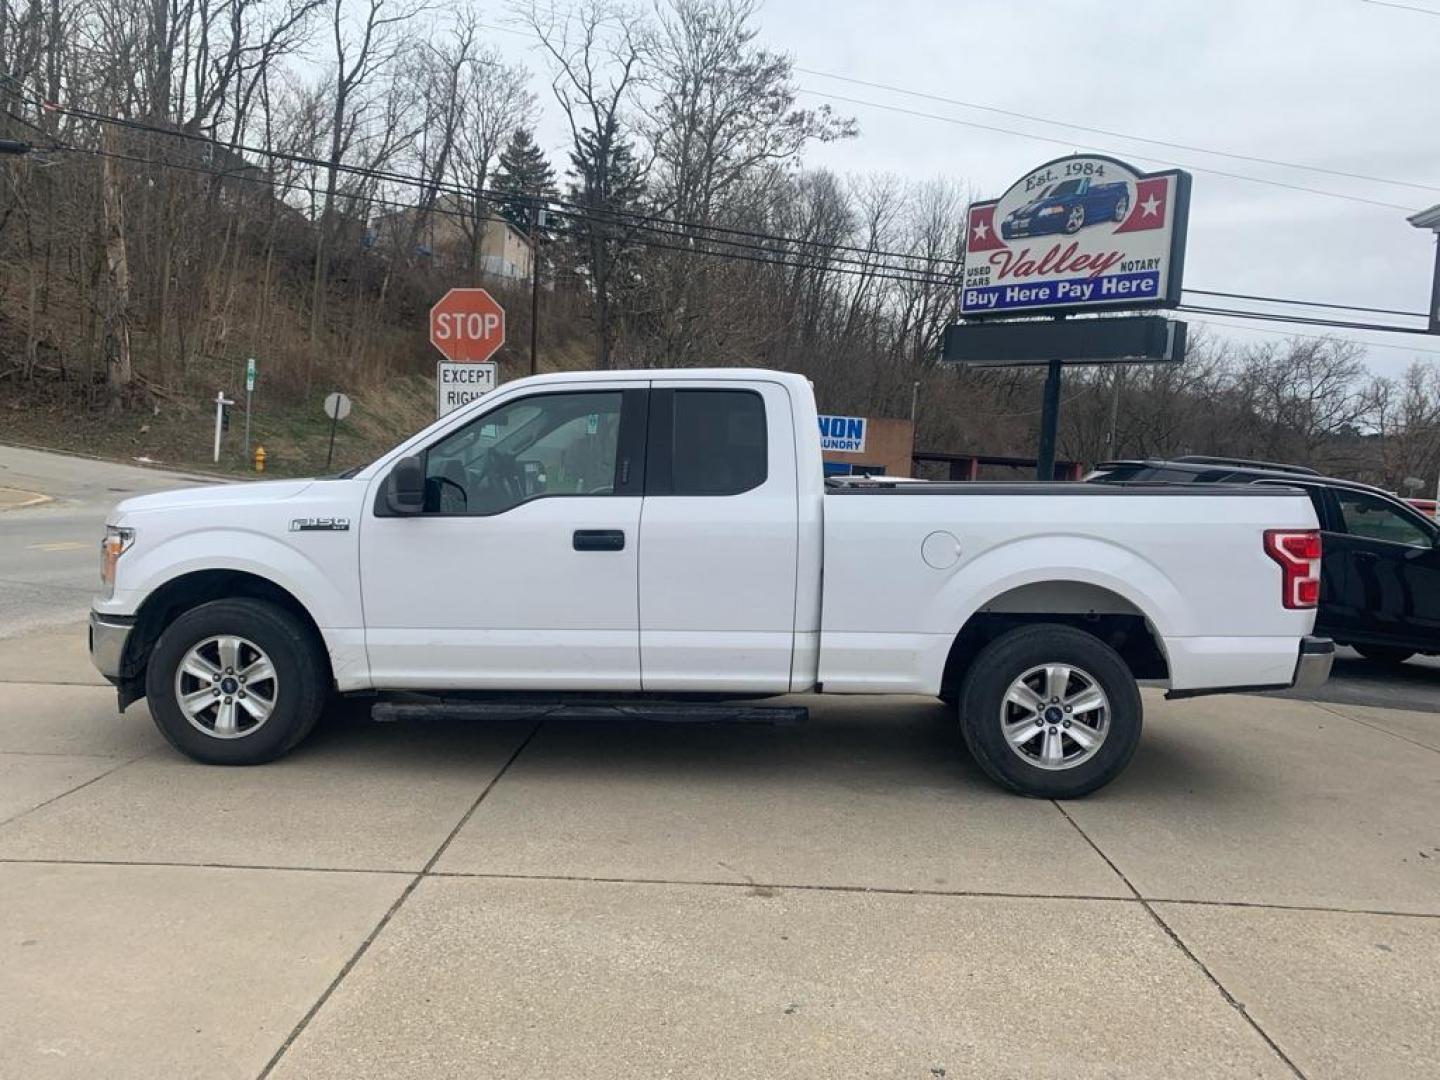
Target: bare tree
column 365, row 43
column 596, row 54
column 493, row 100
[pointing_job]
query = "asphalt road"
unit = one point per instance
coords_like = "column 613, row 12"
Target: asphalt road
column 49, row 551
column 1413, row 685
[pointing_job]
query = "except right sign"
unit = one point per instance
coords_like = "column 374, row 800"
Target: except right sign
column 1077, row 234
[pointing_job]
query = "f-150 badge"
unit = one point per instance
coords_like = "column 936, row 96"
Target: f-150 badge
column 320, row 524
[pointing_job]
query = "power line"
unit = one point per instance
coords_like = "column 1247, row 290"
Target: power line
column 1066, row 142
column 1309, row 337
column 1307, row 303
column 766, row 256
column 1340, row 324
column 667, row 225
column 677, row 229
column 1401, row 7
column 775, row 259
column 1116, row 134
column 450, row 188
column 1094, row 130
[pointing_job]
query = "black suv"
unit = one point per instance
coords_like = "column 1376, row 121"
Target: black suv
column 1380, row 567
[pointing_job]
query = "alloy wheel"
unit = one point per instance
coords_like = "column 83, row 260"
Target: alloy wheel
column 226, row 686
column 1055, row 716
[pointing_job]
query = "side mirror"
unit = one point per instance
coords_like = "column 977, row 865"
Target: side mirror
column 405, row 487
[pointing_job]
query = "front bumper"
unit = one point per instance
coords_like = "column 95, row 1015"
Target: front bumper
column 1312, row 668
column 108, row 635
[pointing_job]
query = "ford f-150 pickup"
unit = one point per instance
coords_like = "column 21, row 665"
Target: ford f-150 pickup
column 670, row 534
column 1068, row 207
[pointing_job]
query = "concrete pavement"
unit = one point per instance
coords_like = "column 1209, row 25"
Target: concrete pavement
column 1258, row 896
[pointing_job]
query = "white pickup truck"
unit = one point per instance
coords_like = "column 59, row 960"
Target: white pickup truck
column 669, row 534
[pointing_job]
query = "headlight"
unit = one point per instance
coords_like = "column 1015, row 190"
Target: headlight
column 117, row 541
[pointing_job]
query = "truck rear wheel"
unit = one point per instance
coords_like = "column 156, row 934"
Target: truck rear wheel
column 1050, row 712
column 236, row 682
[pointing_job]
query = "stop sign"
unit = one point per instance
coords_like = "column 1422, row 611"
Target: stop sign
column 467, row 325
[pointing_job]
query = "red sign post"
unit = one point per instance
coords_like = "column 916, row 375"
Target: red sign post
column 467, row 325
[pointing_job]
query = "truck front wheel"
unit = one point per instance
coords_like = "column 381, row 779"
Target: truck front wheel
column 1050, row 712
column 236, row 682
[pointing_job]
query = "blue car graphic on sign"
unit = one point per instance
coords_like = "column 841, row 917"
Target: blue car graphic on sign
column 1068, row 207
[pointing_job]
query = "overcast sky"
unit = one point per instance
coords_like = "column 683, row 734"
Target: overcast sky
column 1345, row 85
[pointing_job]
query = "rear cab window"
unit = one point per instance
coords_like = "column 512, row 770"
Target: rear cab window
column 706, row 442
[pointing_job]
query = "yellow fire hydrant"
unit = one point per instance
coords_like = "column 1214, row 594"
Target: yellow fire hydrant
column 259, row 459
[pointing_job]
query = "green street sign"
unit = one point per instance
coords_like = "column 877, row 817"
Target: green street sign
column 250, row 375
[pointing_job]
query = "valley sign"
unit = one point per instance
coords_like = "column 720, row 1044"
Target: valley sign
column 1080, row 233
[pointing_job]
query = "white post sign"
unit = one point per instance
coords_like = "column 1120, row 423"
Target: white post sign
column 460, row 384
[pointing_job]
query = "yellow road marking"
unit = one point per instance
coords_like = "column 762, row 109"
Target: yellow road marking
column 15, row 498
column 58, row 545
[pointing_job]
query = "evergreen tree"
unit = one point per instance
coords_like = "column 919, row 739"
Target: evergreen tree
column 523, row 174
column 606, row 183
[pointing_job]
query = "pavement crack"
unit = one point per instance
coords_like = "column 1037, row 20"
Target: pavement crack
column 170, row 864
column 71, row 791
column 405, row 894
column 1169, row 932
column 1373, row 727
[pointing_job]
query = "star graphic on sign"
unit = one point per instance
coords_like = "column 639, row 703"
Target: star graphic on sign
column 981, row 231
column 1151, row 206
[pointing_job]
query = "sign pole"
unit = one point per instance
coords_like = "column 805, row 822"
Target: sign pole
column 1435, row 290
column 330, row 452
column 1049, row 418
column 534, row 282
column 249, row 394
column 220, row 402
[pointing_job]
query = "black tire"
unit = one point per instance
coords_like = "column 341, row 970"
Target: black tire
column 1122, row 208
column 1005, row 660
column 1074, row 221
column 301, row 686
column 1384, row 654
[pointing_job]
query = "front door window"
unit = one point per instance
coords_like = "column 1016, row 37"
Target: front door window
column 542, row 446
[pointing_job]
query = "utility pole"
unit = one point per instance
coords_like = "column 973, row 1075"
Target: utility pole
column 534, row 281
column 914, row 412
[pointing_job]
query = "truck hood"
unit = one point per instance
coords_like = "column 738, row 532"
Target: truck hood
column 230, row 495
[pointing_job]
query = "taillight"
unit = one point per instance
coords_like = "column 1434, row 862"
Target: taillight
column 1298, row 553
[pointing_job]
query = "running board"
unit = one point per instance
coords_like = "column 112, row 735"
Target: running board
column 666, row 712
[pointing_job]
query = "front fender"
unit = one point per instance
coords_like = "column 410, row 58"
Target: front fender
column 322, row 580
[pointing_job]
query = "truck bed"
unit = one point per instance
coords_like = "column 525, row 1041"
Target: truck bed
column 1068, row 489
column 904, row 561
